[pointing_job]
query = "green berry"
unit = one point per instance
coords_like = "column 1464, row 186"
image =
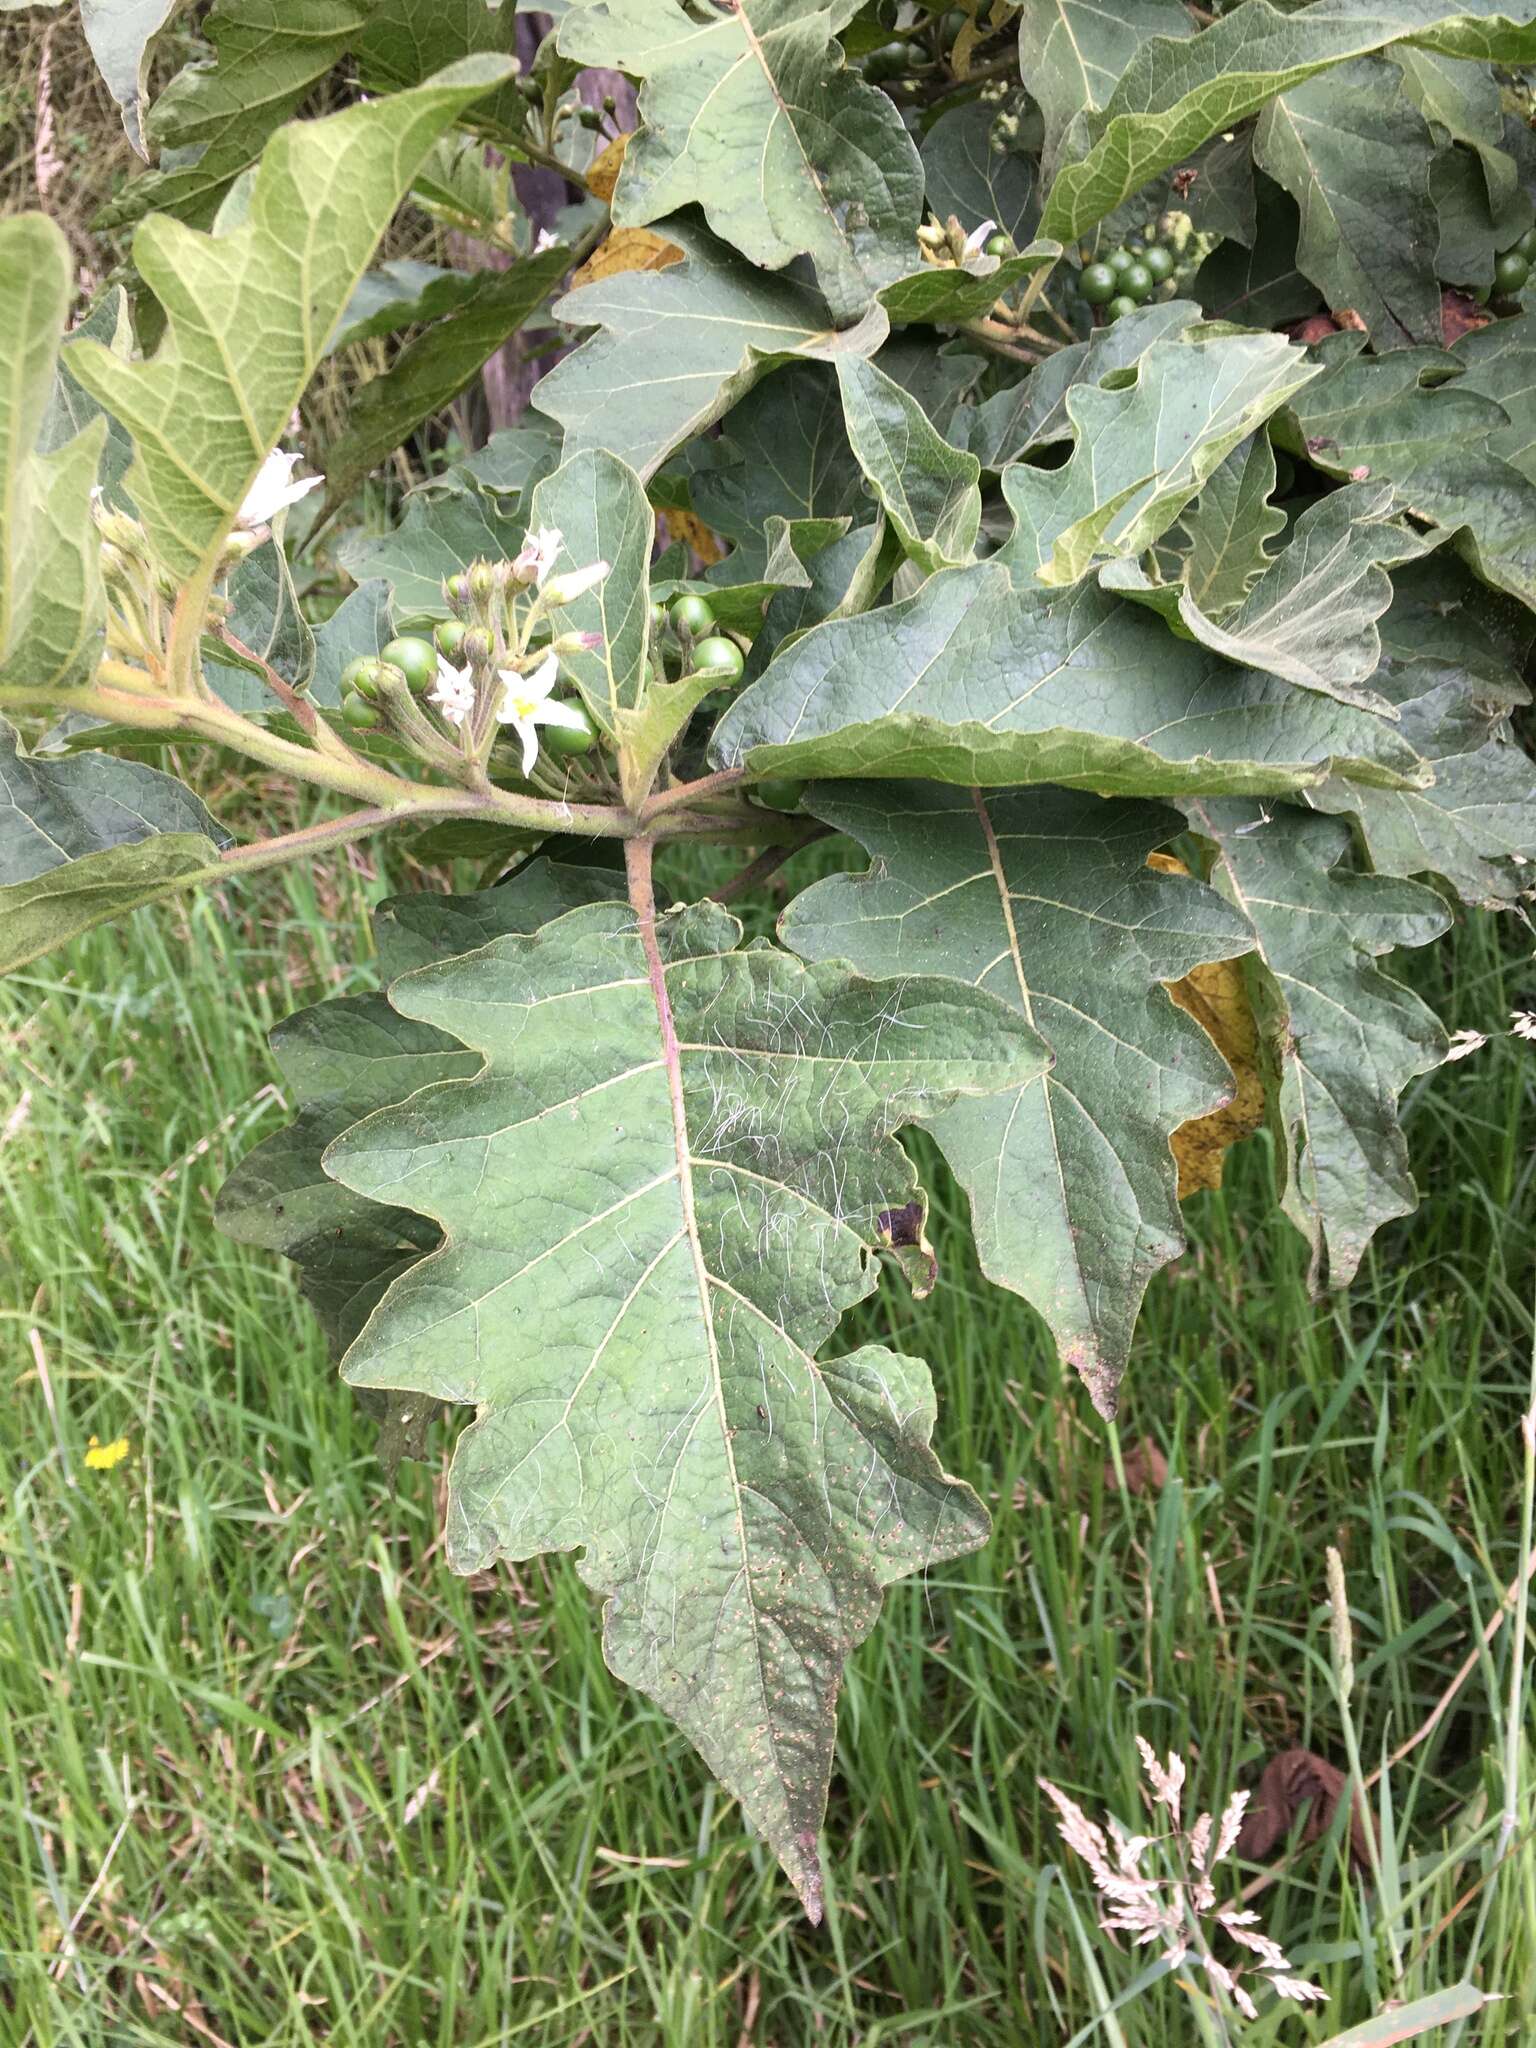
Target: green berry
column 1510, row 272
column 1098, row 284
column 886, row 63
column 1137, row 283
column 659, row 620
column 450, row 638
column 718, row 652
column 1159, row 261
column 692, row 615
column 565, row 741
column 357, row 711
column 1119, row 307
column 416, row 661
column 1527, row 244
column 779, row 793
column 1119, row 261
column 360, row 677
column 999, row 244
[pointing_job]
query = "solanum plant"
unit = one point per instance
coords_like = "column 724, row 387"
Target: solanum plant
column 1097, row 447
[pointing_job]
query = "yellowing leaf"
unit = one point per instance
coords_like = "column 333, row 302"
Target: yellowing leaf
column 691, row 530
column 626, row 249
column 1215, row 995
column 603, row 171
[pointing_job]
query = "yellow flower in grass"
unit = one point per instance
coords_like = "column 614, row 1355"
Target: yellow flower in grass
column 102, row 1457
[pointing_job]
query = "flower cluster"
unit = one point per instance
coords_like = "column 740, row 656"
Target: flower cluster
column 1177, row 1904
column 525, row 685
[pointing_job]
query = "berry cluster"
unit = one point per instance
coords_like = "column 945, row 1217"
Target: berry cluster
column 1148, row 263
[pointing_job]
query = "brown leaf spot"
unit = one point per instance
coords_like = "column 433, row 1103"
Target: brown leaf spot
column 1297, row 1779
column 1460, row 314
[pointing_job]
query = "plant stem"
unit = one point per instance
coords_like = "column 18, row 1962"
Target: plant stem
column 767, row 863
column 683, row 794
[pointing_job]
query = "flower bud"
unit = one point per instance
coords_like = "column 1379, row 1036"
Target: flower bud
column 574, row 583
column 482, row 582
column 236, row 547
column 476, row 648
column 566, row 644
column 456, row 592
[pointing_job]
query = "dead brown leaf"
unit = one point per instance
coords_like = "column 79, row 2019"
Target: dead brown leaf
column 1297, row 1779
column 1145, row 1468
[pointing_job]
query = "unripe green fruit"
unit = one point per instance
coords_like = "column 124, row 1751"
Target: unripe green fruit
column 1119, row 261
column 1137, row 282
column 779, row 793
column 951, row 26
column 886, row 63
column 1510, row 272
column 1527, row 244
column 1159, row 261
column 360, row 677
column 416, row 661
column 1119, row 307
column 357, row 711
column 1098, row 284
column 999, row 245
column 718, row 652
column 450, row 638
column 566, row 741
column 590, row 117
column 659, row 620
column 693, row 615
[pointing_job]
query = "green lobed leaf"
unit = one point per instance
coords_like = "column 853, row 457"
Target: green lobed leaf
column 930, row 490
column 215, row 119
column 783, row 453
column 1500, row 363
column 1143, row 448
column 250, row 312
column 949, row 294
column 678, row 347
column 440, row 534
column 657, row 1199
column 1033, row 413
column 264, row 617
column 1354, row 152
column 1045, row 898
column 85, row 838
column 1454, row 686
column 435, row 366
column 975, row 681
column 1311, row 617
column 1175, row 94
column 599, row 506
column 347, row 1057
column 71, row 408
column 51, row 607
column 1343, row 1039
column 1259, row 285
column 1389, row 419
column 748, row 113
column 1072, row 55
column 1217, row 549
column 966, row 177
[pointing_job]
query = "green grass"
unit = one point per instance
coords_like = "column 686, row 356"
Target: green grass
column 273, row 1776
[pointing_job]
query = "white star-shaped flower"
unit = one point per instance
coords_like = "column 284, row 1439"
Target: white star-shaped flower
column 544, row 240
column 453, row 693
column 526, row 705
column 974, row 255
column 274, row 490
column 536, row 557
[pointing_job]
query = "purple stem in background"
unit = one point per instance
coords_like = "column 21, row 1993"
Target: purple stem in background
column 510, row 375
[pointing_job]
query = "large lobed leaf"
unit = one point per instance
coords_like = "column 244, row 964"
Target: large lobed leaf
column 676, row 348
column 1045, row 897
column 749, row 113
column 973, row 680
column 657, row 1198
column 1176, row 93
column 250, row 312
